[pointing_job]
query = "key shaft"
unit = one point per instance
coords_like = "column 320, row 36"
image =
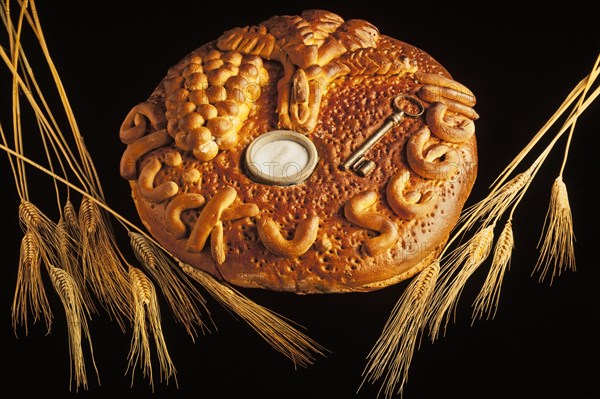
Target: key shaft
column 390, row 122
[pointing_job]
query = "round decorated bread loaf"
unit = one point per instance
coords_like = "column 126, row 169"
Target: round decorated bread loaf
column 367, row 156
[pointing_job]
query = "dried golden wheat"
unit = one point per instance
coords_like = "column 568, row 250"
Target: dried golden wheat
column 391, row 356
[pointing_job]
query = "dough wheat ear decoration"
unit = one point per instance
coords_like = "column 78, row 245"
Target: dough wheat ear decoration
column 430, row 300
column 79, row 253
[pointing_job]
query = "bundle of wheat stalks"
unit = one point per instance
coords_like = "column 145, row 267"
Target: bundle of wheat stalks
column 80, row 254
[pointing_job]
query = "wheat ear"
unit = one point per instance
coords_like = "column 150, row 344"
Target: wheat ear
column 72, row 301
column 557, row 244
column 37, row 248
column 181, row 295
column 487, row 300
column 29, row 292
column 391, row 356
column 147, row 319
column 557, row 240
column 103, row 269
column 70, row 250
column 462, row 263
column 280, row 335
column 68, row 253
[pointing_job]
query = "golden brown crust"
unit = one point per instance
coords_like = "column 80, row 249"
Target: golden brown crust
column 336, row 231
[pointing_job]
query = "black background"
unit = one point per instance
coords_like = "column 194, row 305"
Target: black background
column 543, row 343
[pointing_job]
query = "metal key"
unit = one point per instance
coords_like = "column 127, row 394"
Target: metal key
column 356, row 161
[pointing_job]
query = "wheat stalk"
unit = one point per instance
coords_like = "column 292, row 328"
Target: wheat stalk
column 15, row 46
column 83, row 166
column 71, row 220
column 391, row 356
column 557, row 240
column 462, row 263
column 29, row 290
column 72, row 301
column 279, row 334
column 508, row 194
column 51, row 135
column 37, row 247
column 147, row 319
column 579, row 91
column 181, row 295
column 487, row 300
column 102, row 266
column 71, row 237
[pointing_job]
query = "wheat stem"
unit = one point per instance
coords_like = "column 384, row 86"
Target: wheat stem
column 593, row 75
column 16, row 111
column 15, row 108
column 56, row 137
column 51, row 165
column 21, row 192
column 580, row 88
column 83, row 153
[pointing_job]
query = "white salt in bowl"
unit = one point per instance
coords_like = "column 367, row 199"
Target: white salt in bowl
column 281, row 157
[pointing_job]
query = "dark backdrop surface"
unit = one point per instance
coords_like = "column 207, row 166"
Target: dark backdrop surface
column 543, row 342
